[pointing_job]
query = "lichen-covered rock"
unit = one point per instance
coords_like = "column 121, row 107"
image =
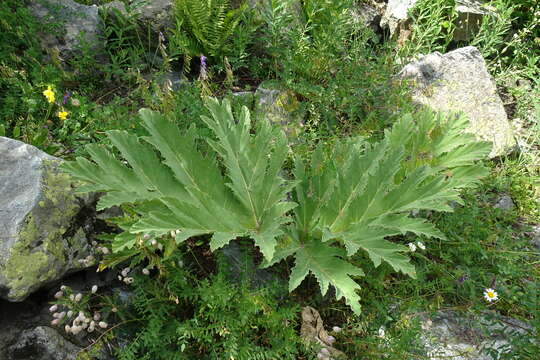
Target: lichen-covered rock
column 396, row 14
column 450, row 335
column 368, row 14
column 277, row 106
column 159, row 14
column 42, row 236
column 80, row 24
column 459, row 81
column 114, row 5
column 42, row 343
column 504, row 202
column 470, row 14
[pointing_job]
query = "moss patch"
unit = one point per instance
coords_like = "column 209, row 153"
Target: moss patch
column 40, row 254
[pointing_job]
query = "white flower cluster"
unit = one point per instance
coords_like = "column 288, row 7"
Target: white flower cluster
column 65, row 313
column 149, row 241
column 88, row 261
column 128, row 279
column 124, row 276
column 412, row 246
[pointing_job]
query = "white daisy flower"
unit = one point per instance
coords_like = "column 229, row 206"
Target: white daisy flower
column 491, row 295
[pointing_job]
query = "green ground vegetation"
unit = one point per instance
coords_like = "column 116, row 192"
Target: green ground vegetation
column 338, row 77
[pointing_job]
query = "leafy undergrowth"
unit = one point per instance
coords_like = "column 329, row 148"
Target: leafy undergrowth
column 339, row 75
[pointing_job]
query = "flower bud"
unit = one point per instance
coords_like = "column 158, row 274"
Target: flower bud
column 63, row 287
column 103, row 324
column 58, row 295
column 55, row 322
column 97, row 316
column 154, row 242
column 67, row 328
column 78, row 297
column 94, row 289
column 336, row 329
column 72, row 297
column 55, row 315
column 53, row 308
column 145, row 271
column 69, row 313
column 125, row 272
column 330, row 339
column 146, row 236
column 62, row 315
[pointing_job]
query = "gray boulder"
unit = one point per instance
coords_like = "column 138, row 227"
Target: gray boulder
column 368, row 14
column 159, row 14
column 396, row 14
column 535, row 238
column 42, row 343
column 451, row 335
column 114, row 5
column 470, row 14
column 504, row 202
column 43, row 223
column 80, row 24
column 459, row 82
column 278, row 105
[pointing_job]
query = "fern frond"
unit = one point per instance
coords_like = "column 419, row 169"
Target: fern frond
column 204, row 27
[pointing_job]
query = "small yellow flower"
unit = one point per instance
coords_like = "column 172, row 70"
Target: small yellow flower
column 62, row 115
column 490, row 295
column 49, row 94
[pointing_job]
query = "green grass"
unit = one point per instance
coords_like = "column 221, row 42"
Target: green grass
column 340, row 77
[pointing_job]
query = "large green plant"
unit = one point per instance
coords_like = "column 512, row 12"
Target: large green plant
column 345, row 199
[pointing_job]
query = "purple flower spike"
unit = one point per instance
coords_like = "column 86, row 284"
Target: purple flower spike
column 203, row 62
column 203, row 75
column 67, row 95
